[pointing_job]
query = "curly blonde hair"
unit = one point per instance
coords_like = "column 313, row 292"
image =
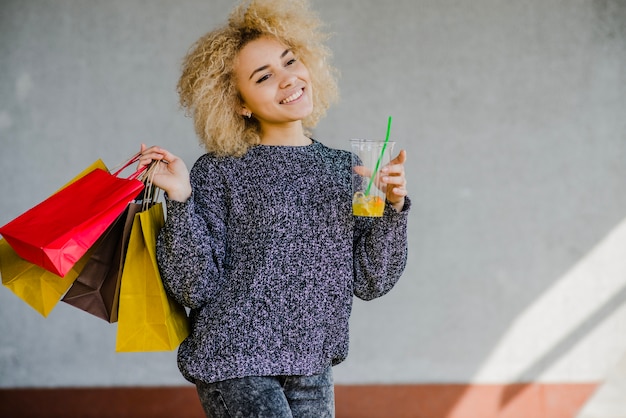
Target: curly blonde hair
column 207, row 86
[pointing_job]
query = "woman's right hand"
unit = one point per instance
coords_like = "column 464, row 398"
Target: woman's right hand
column 170, row 175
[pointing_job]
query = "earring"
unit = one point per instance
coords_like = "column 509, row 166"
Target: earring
column 248, row 114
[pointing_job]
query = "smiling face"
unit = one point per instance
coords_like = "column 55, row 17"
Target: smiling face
column 274, row 85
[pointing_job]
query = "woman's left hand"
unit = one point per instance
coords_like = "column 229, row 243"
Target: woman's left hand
column 394, row 181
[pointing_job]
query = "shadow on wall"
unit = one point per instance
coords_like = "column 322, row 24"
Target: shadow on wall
column 567, row 343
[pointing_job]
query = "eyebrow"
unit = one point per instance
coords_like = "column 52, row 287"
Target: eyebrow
column 265, row 67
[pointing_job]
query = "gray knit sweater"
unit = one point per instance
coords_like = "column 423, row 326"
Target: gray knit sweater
column 268, row 256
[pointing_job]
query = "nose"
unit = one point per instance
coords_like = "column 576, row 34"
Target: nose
column 288, row 80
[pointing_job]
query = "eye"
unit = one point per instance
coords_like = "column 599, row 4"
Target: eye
column 291, row 62
column 262, row 79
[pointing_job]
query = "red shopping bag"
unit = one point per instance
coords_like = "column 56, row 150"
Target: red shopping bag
column 56, row 233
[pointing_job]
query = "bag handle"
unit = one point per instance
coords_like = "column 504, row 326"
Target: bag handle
column 151, row 193
column 125, row 165
column 145, row 174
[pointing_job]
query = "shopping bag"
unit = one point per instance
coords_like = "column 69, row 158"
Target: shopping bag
column 96, row 164
column 97, row 287
column 56, row 233
column 36, row 286
column 148, row 318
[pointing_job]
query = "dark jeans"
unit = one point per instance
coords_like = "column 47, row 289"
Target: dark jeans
column 270, row 397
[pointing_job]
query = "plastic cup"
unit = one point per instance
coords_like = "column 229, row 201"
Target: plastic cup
column 368, row 158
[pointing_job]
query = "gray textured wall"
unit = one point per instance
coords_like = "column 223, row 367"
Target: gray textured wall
column 513, row 115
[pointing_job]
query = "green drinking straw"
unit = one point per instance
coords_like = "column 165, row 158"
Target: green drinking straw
column 367, row 191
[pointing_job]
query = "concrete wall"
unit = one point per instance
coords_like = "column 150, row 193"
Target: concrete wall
column 513, row 117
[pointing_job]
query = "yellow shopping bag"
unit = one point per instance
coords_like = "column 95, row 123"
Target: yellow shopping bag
column 36, row 286
column 148, row 319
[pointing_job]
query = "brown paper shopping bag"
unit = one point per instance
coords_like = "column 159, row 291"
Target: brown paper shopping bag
column 97, row 288
column 148, row 319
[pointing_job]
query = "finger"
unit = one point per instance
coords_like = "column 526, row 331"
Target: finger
column 394, row 177
column 142, row 160
column 148, row 155
column 394, row 180
column 166, row 156
column 393, row 170
column 396, row 166
column 400, row 158
column 153, row 153
column 397, row 186
column 362, row 171
column 400, row 191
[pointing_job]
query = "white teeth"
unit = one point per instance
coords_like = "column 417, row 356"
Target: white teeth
column 293, row 97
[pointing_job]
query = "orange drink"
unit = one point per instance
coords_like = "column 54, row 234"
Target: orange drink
column 368, row 158
column 367, row 205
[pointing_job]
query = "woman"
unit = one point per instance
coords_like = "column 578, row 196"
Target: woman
column 260, row 242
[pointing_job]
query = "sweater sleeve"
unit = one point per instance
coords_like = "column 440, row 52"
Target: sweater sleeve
column 190, row 247
column 380, row 252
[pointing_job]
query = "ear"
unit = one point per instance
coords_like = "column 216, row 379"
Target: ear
column 245, row 112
